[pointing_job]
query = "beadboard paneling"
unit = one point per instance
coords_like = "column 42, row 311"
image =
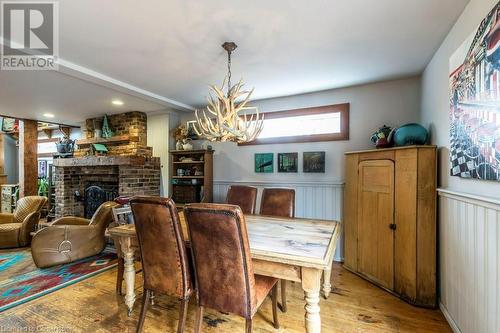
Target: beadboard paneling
column 318, row 200
column 469, row 258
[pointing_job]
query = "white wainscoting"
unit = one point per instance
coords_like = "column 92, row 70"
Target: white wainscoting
column 469, row 256
column 318, row 200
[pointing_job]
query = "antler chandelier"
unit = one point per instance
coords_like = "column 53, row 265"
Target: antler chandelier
column 225, row 117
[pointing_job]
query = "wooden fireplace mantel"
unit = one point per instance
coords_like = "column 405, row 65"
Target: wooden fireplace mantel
column 89, row 161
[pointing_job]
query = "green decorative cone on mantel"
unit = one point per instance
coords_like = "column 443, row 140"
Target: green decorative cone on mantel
column 106, row 130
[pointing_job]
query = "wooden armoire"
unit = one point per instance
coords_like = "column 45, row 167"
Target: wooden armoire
column 390, row 220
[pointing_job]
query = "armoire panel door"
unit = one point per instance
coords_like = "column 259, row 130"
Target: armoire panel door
column 375, row 216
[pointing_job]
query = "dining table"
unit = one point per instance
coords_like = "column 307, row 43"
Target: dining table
column 293, row 249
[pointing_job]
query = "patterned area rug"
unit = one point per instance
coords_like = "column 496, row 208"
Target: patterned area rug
column 21, row 281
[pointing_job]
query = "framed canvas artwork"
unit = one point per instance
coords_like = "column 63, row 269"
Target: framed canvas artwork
column 314, row 162
column 42, row 169
column 287, row 162
column 475, row 103
column 264, row 163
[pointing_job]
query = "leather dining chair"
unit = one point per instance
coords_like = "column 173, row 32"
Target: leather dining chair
column 243, row 196
column 227, row 283
column 278, row 202
column 165, row 263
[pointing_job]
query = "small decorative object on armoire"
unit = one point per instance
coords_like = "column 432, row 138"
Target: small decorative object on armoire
column 390, row 220
column 382, row 138
column 410, row 134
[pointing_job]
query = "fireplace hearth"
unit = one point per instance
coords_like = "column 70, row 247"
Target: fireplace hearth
column 119, row 175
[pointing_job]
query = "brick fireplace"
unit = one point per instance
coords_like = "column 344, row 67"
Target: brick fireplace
column 128, row 169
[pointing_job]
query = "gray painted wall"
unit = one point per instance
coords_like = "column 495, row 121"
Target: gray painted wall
column 372, row 105
column 11, row 160
column 435, row 98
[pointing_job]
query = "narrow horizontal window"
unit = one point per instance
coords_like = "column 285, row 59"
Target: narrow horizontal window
column 325, row 123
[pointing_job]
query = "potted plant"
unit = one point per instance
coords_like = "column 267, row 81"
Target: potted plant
column 43, row 187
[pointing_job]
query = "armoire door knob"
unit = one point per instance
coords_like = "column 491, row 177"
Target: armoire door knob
column 392, row 226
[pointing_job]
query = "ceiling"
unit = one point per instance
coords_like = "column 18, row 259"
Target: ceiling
column 165, row 53
column 30, row 94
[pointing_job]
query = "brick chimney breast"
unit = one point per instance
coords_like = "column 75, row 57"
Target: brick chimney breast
column 129, row 167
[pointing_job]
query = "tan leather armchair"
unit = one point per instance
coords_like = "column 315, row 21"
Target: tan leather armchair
column 70, row 238
column 15, row 228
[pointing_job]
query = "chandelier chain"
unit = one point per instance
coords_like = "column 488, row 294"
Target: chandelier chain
column 228, row 72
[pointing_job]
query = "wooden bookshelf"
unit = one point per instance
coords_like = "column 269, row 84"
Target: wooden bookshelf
column 188, row 186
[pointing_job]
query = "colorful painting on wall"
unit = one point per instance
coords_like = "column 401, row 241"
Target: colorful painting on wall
column 264, row 163
column 287, row 162
column 475, row 103
column 314, row 161
column 42, row 169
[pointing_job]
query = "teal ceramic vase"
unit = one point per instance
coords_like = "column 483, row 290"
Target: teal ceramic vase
column 410, row 134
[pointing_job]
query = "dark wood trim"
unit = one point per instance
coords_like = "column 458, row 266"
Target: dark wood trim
column 28, row 164
column 114, row 139
column 40, row 121
column 48, row 140
column 45, row 155
column 344, row 126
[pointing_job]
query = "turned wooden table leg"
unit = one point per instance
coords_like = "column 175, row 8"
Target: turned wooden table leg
column 327, row 285
column 327, row 277
column 129, row 273
column 311, row 284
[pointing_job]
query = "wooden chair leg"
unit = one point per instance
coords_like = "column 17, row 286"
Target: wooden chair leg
column 142, row 316
column 248, row 326
column 182, row 315
column 283, row 296
column 199, row 319
column 274, row 297
column 119, row 276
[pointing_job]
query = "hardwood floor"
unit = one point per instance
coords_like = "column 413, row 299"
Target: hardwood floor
column 92, row 306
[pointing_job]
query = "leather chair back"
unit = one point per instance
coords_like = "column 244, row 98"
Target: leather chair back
column 243, row 196
column 222, row 263
column 26, row 206
column 165, row 264
column 278, row 202
column 103, row 216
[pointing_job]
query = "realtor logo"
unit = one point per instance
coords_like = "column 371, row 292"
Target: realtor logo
column 30, row 35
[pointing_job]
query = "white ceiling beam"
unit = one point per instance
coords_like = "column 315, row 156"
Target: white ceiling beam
column 89, row 75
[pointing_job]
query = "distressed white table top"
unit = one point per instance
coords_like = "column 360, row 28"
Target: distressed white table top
column 292, row 240
column 301, row 242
